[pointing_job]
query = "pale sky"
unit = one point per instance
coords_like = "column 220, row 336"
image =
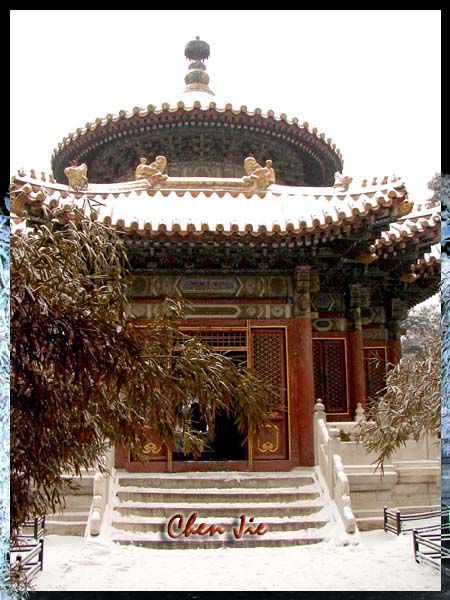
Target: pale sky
column 368, row 79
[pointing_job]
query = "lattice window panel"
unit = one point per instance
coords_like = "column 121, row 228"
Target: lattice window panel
column 226, row 338
column 330, row 374
column 318, row 371
column 268, row 359
column 375, row 371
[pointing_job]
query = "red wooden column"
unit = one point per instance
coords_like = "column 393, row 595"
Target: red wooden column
column 301, row 371
column 394, row 351
column 356, row 373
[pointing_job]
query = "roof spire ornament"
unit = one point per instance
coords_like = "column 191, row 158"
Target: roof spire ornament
column 197, row 79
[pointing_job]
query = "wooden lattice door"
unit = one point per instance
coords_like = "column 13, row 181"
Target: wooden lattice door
column 268, row 359
column 375, row 371
column 330, row 384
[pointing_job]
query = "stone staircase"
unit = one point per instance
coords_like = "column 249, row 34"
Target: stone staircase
column 292, row 505
column 72, row 520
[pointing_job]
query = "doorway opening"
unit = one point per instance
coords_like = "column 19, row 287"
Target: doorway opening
column 226, row 442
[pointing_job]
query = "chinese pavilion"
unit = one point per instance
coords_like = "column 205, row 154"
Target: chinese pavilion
column 290, row 267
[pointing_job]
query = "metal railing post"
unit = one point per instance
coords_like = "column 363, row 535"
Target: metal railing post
column 398, row 522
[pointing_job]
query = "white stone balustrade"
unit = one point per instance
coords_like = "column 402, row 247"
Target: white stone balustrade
column 327, row 446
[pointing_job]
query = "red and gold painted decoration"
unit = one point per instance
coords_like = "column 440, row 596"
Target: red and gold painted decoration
column 269, row 363
column 153, row 450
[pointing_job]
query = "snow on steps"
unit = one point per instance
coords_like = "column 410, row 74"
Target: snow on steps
column 292, row 506
column 168, row 496
column 72, row 520
column 155, row 540
column 215, row 480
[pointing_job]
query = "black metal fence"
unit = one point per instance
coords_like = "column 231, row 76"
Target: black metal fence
column 397, row 523
column 27, row 553
column 431, row 542
column 429, row 548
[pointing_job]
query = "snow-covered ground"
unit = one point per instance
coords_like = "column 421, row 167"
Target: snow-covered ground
column 380, row 562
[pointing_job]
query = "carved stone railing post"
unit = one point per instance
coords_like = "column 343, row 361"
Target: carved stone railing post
column 98, row 503
column 360, row 413
column 319, row 415
column 341, row 489
column 101, row 490
column 333, row 448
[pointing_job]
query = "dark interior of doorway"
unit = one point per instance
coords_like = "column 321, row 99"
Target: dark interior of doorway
column 228, row 443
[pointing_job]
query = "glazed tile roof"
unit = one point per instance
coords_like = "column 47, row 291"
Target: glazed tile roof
column 430, row 263
column 420, row 227
column 192, row 103
column 198, row 205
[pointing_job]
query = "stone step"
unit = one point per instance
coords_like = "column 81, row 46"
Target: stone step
column 68, row 516
column 77, row 502
column 155, row 524
column 81, row 486
column 222, row 509
column 148, row 540
column 231, row 495
column 196, row 481
column 65, row 527
column 290, row 504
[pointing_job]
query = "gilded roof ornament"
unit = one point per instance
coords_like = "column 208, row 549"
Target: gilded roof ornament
column 408, row 278
column 341, row 182
column 77, row 176
column 366, row 258
column 153, row 173
column 404, row 208
column 258, row 176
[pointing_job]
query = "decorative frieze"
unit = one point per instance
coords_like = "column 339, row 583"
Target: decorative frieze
column 399, row 309
column 368, row 316
column 327, row 302
column 302, row 291
column 149, row 310
column 245, row 286
column 315, row 281
column 211, row 286
column 354, row 310
column 375, row 334
column 398, row 312
column 323, row 324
